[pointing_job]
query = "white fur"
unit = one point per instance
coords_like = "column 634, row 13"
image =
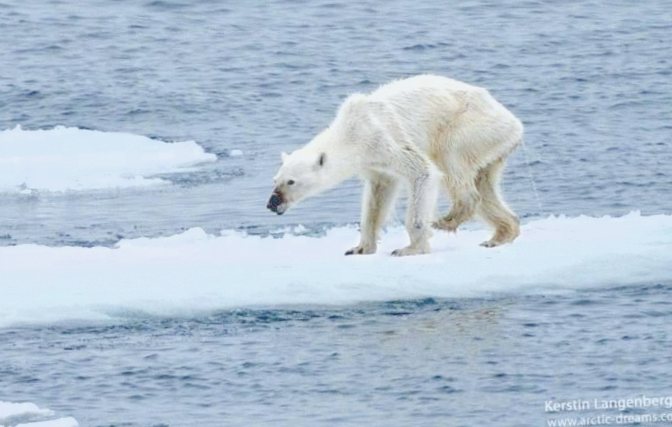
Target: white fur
column 426, row 132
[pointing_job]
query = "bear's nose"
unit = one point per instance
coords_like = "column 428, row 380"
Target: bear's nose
column 274, row 202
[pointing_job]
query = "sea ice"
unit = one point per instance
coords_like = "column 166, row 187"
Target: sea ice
column 196, row 271
column 67, row 158
column 30, row 415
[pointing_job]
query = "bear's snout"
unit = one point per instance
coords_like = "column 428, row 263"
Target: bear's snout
column 275, row 202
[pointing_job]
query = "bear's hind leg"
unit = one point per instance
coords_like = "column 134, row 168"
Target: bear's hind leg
column 493, row 209
column 464, row 198
column 379, row 195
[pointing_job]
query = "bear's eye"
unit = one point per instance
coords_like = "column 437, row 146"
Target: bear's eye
column 291, row 182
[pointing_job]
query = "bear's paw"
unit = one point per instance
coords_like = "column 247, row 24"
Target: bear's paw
column 361, row 250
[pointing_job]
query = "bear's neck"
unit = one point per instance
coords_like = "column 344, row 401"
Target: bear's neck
column 340, row 159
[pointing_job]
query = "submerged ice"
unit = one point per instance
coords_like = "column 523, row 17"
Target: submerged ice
column 196, row 271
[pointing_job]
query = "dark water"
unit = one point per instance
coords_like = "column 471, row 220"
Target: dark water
column 430, row 362
column 592, row 82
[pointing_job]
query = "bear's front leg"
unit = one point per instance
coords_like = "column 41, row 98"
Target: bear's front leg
column 378, row 198
column 419, row 212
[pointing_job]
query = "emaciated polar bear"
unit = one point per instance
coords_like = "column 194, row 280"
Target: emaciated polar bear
column 425, row 131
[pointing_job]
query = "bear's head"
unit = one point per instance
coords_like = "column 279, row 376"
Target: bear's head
column 302, row 174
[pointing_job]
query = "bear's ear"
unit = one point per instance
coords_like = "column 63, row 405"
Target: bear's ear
column 283, row 156
column 322, row 159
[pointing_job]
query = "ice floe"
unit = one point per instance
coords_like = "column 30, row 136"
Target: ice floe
column 68, row 158
column 196, row 271
column 30, row 415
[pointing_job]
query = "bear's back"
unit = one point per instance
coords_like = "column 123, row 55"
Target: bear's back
column 424, row 105
column 421, row 84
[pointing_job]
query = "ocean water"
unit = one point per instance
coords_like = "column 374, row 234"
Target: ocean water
column 115, row 309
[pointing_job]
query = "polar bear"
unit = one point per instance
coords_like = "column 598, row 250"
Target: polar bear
column 426, row 132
